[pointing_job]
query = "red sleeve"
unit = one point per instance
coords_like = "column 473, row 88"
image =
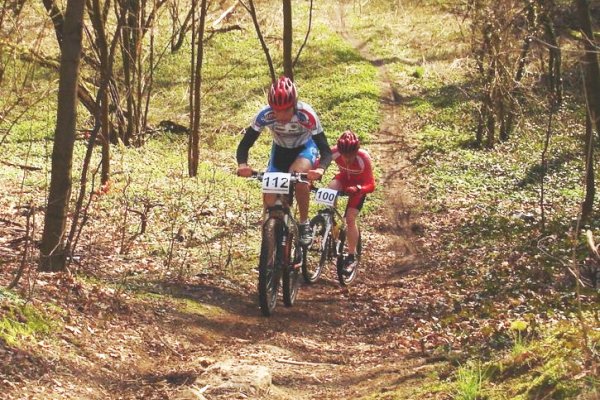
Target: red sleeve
column 368, row 179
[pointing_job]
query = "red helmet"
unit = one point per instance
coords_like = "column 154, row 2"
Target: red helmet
column 348, row 143
column 283, row 94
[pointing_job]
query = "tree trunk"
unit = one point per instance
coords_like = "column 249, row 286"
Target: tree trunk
column 195, row 106
column 129, row 50
column 554, row 61
column 590, row 187
column 287, row 39
column 105, row 74
column 52, row 257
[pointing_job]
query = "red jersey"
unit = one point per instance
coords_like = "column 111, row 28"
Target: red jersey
column 359, row 172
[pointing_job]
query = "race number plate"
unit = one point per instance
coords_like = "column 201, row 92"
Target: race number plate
column 326, row 196
column 276, row 182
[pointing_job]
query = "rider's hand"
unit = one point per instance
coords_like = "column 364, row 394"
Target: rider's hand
column 244, row 170
column 315, row 174
column 352, row 190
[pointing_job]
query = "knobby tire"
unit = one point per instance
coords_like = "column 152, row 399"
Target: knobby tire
column 269, row 270
column 290, row 273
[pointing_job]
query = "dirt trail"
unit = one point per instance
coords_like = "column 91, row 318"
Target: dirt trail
column 335, row 343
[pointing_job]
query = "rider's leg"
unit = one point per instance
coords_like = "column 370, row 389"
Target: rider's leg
column 302, row 190
column 352, row 229
column 336, row 184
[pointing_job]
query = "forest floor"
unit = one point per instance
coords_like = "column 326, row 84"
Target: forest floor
column 206, row 339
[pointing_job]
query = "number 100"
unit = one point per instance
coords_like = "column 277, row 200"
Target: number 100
column 326, row 196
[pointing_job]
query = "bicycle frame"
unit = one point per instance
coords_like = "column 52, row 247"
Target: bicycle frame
column 329, row 230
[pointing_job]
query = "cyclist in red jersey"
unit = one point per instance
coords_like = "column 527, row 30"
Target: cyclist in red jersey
column 355, row 178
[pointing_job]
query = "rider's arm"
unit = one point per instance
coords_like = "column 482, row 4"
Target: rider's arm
column 367, row 175
column 324, row 150
column 247, row 141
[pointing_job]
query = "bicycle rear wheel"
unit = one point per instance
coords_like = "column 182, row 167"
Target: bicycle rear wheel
column 344, row 278
column 315, row 255
column 269, row 270
column 291, row 274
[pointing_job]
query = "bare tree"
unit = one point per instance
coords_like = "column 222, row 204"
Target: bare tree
column 52, row 247
column 196, row 86
column 495, row 30
column 98, row 22
column 137, row 78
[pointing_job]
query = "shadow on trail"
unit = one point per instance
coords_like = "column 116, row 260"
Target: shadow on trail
column 234, row 313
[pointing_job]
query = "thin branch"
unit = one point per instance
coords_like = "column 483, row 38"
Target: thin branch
column 544, row 163
column 307, row 33
column 551, row 46
column 252, row 12
column 25, row 167
column 284, row 361
column 30, row 226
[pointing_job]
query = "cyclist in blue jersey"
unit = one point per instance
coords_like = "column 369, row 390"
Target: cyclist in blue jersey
column 298, row 140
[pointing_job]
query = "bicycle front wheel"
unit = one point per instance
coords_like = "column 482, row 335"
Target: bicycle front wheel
column 315, row 254
column 269, row 270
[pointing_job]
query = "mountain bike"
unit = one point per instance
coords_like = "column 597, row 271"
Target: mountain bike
column 280, row 250
column 329, row 240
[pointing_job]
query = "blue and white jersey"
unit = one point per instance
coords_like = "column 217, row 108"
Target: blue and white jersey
column 303, row 125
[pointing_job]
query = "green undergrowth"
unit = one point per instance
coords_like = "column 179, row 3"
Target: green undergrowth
column 550, row 365
column 21, row 322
